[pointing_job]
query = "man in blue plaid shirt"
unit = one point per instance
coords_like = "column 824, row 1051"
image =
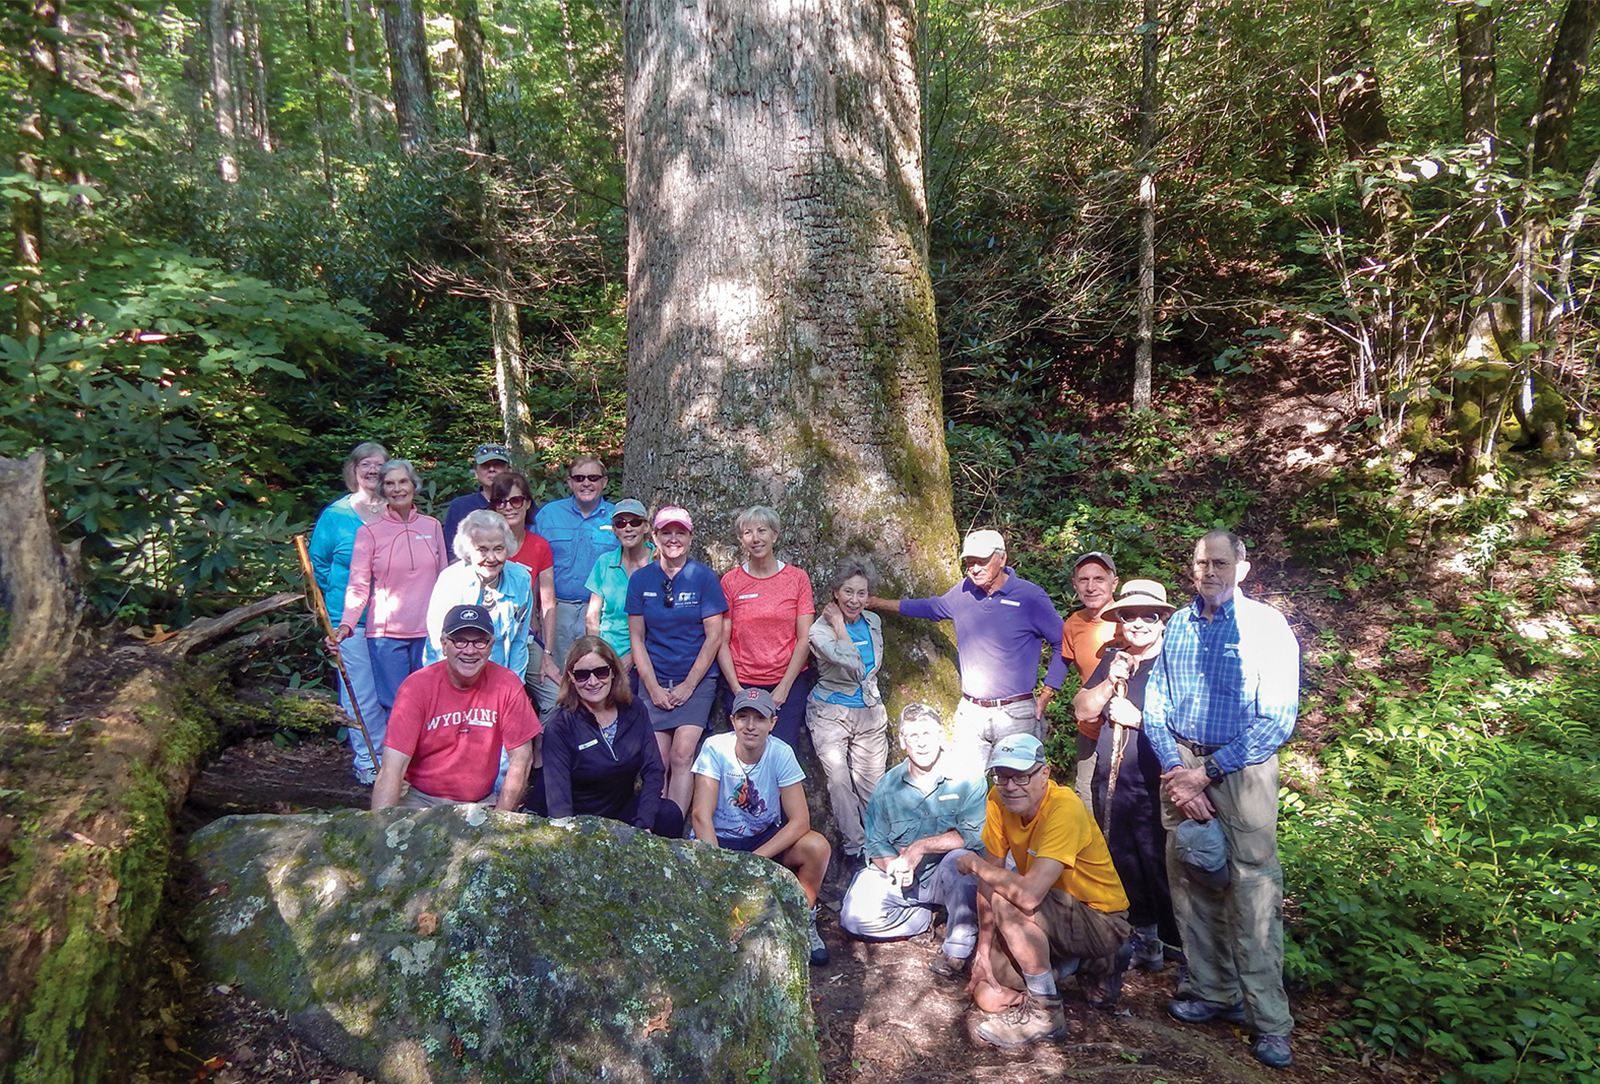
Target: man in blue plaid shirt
column 1222, row 697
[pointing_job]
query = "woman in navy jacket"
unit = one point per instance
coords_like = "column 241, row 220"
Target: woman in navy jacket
column 600, row 754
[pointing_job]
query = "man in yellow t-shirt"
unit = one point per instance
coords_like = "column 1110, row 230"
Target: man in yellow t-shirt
column 1063, row 902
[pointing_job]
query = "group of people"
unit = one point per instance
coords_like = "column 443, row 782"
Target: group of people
column 574, row 666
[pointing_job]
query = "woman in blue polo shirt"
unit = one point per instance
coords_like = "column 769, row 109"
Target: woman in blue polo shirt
column 675, row 607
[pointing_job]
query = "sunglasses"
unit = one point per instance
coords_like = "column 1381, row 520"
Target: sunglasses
column 1149, row 617
column 667, row 599
column 627, row 521
column 586, row 477
column 511, row 502
column 598, row 673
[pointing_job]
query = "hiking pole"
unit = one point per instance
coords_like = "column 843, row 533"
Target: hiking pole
column 314, row 598
column 1119, row 742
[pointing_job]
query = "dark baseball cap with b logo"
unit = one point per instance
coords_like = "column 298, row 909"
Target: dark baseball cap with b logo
column 468, row 617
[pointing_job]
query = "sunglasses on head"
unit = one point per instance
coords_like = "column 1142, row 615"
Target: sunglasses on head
column 585, row 477
column 599, row 673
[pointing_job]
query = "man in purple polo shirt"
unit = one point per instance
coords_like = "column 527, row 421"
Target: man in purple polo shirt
column 1002, row 621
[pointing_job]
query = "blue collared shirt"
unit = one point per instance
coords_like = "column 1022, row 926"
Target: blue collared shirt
column 902, row 811
column 998, row 634
column 1231, row 682
column 576, row 543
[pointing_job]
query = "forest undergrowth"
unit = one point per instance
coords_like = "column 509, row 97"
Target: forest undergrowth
column 1440, row 824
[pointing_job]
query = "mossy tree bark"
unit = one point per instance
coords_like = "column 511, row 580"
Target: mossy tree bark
column 39, row 600
column 781, row 334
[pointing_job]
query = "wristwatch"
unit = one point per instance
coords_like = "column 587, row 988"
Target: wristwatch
column 1213, row 769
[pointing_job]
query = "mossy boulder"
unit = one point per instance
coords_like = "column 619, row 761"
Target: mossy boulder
column 463, row 944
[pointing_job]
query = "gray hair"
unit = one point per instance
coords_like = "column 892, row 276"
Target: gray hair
column 482, row 521
column 365, row 450
column 1235, row 543
column 920, row 713
column 759, row 515
column 401, row 464
column 850, row 567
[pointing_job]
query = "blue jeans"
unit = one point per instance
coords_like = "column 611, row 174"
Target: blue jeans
column 357, row 659
column 392, row 662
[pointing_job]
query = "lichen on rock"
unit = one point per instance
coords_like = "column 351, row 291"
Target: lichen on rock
column 455, row 944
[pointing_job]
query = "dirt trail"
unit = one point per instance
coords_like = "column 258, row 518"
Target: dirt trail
column 882, row 1016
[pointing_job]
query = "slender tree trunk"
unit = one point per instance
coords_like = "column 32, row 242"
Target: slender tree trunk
column 314, row 58
column 350, row 69
column 1144, row 354
column 260, row 126
column 27, row 212
column 222, row 89
column 408, row 71
column 1563, row 84
column 781, row 337
column 510, row 359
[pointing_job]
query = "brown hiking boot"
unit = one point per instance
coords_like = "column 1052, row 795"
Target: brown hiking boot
column 1037, row 1019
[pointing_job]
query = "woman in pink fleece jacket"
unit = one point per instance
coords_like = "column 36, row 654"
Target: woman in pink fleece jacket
column 394, row 563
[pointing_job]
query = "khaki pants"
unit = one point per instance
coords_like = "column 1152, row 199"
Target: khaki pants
column 1233, row 936
column 1073, row 928
column 853, row 745
column 976, row 729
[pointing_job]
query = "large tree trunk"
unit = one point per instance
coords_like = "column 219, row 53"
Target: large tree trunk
column 781, row 336
column 38, row 581
column 408, row 71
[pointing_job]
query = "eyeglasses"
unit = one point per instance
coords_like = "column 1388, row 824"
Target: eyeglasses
column 468, row 645
column 627, row 521
column 1148, row 617
column 1018, row 781
column 511, row 502
column 586, row 477
column 598, row 673
column 666, row 595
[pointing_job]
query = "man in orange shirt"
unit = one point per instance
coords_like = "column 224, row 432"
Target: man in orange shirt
column 1063, row 901
column 1083, row 634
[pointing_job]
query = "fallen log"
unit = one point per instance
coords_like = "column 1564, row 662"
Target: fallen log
column 198, row 634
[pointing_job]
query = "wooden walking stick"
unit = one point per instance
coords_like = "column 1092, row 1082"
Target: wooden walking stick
column 314, row 598
column 1119, row 742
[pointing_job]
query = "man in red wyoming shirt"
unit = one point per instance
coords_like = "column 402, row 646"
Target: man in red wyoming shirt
column 450, row 722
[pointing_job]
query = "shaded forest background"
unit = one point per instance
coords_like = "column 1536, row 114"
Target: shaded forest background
column 1319, row 271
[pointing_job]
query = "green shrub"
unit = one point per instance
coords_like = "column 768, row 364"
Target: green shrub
column 1446, row 872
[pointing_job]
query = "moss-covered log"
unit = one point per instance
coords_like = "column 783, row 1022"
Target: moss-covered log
column 85, row 842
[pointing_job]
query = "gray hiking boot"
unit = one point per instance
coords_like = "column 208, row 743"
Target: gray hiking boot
column 1036, row 1020
column 1149, row 954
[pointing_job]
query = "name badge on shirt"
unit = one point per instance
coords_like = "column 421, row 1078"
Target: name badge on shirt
column 753, row 594
column 948, row 797
column 585, row 745
column 649, row 594
column 1009, row 602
